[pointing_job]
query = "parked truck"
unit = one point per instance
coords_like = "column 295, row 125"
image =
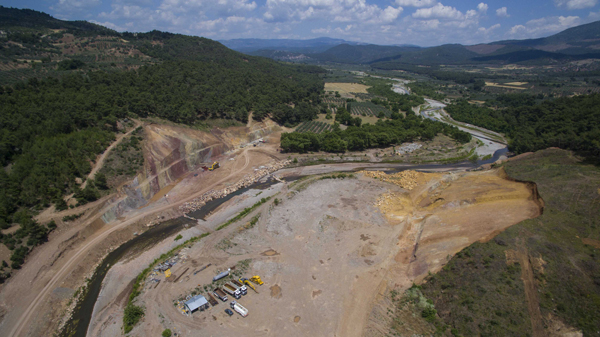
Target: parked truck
column 220, row 294
column 240, row 286
column 239, row 308
column 231, row 290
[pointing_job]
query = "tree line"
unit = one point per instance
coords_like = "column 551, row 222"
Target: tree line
column 569, row 123
column 384, row 133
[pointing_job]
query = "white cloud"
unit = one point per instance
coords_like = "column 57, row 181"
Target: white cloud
column 439, row 11
column 128, row 12
column 220, row 7
column 544, row 26
column 73, row 6
column 110, row 25
column 502, row 12
column 482, row 7
column 483, row 30
column 594, row 16
column 575, row 4
column 330, row 10
column 416, row 3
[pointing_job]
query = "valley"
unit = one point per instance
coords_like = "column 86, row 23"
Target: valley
column 157, row 183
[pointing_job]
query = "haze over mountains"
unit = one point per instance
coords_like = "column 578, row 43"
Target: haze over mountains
column 579, row 42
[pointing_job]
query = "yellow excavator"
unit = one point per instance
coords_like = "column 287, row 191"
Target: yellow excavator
column 256, row 279
column 249, row 284
column 214, row 166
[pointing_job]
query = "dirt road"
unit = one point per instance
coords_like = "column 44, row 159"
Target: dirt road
column 100, row 160
column 24, row 319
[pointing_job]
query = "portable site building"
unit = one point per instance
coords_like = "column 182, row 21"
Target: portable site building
column 197, row 302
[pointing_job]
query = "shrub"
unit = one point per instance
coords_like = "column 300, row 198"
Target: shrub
column 132, row 316
column 166, row 333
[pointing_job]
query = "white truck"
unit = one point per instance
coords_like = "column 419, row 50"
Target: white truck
column 239, row 308
column 240, row 286
column 231, row 290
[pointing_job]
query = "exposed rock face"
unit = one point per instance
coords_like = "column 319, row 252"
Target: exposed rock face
column 170, row 152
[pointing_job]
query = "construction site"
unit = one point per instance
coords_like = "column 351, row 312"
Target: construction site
column 326, row 254
column 328, row 247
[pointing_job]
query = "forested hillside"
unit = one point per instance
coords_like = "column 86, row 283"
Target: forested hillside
column 569, row 123
column 65, row 114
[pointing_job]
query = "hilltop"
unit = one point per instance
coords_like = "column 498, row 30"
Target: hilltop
column 577, row 43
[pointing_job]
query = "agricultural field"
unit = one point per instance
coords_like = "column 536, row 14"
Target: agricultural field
column 368, row 109
column 346, row 88
column 314, row 127
column 335, row 100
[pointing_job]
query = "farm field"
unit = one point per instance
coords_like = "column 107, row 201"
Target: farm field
column 346, row 88
column 368, row 109
column 505, row 86
column 314, row 127
column 334, row 100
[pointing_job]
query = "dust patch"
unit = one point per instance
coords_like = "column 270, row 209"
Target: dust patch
column 591, row 242
column 270, row 252
column 276, row 291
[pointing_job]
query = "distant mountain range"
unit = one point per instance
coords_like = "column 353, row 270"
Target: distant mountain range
column 581, row 42
column 251, row 46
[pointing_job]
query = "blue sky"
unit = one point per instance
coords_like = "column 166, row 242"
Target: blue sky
column 421, row 22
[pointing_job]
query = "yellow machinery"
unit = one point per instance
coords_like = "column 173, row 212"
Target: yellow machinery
column 215, row 165
column 249, row 284
column 256, row 279
column 168, row 273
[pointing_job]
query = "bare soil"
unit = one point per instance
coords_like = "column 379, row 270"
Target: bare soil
column 328, row 255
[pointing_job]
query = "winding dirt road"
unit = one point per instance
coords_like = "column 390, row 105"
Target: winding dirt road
column 25, row 317
column 100, row 161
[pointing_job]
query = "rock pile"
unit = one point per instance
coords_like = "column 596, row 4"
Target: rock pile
column 408, row 148
column 404, row 179
column 248, row 180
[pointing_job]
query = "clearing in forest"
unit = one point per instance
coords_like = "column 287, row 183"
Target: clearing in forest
column 346, row 88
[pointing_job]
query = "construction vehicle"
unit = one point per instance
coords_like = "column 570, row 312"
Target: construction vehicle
column 214, row 166
column 256, row 279
column 232, row 290
column 211, row 299
column 239, row 308
column 243, row 291
column 249, row 284
column 220, row 294
column 241, row 286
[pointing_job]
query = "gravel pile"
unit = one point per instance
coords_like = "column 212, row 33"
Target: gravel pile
column 404, row 179
column 408, row 148
column 244, row 182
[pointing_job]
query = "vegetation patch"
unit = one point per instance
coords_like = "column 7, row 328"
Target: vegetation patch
column 243, row 213
column 125, row 161
column 480, row 291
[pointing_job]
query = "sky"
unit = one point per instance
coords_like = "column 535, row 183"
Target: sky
column 420, row 22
